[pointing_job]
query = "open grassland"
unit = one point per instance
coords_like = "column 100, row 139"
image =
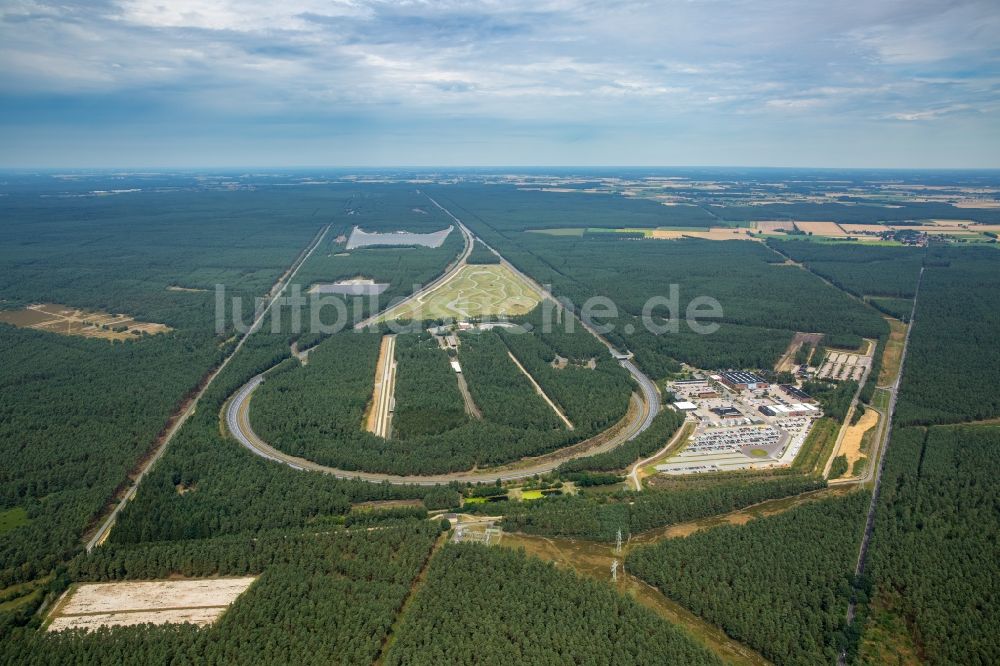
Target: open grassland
column 474, row 291
column 66, row 320
column 13, row 518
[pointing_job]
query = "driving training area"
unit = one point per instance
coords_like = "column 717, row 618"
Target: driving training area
column 66, row 320
column 474, row 291
column 94, row 605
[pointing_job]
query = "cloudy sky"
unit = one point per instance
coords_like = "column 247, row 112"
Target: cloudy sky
column 908, row 83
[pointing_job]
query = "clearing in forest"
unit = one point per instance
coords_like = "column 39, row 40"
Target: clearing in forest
column 850, row 446
column 66, row 320
column 474, row 291
column 94, row 605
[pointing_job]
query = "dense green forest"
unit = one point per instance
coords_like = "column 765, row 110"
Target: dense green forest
column 480, row 255
column 762, row 301
column 863, row 270
column 781, row 584
column 321, row 598
column 514, row 209
column 953, row 360
column 663, row 427
column 300, row 411
column 933, row 552
column 428, row 401
column 496, row 606
column 600, row 517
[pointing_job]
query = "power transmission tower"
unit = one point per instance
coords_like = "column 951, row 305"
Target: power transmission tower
column 614, row 571
column 618, row 541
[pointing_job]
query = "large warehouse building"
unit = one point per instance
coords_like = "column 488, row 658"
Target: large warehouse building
column 739, row 380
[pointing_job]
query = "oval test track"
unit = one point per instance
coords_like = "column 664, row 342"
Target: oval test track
column 237, row 410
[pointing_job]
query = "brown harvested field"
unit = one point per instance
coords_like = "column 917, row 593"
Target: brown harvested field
column 893, row 352
column 821, row 228
column 977, row 203
column 65, row 320
column 770, row 226
column 850, row 446
column 198, row 601
column 865, row 228
column 715, row 233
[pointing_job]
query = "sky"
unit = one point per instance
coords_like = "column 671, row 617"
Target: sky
column 215, row 83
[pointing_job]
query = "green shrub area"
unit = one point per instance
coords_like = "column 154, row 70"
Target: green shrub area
column 933, row 551
column 953, row 359
column 494, row 605
column 781, row 584
column 320, row 599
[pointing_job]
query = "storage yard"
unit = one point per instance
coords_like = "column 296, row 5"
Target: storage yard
column 844, row 365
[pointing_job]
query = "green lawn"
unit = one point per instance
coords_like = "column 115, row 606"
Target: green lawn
column 532, row 495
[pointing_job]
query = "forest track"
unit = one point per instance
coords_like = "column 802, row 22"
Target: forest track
column 189, row 407
column 879, row 459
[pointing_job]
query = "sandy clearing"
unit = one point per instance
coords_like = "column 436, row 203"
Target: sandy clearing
column 198, row 601
column 198, row 616
column 851, row 444
column 153, row 595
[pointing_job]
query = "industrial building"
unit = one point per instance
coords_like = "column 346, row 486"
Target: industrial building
column 685, row 406
column 798, row 409
column 797, row 393
column 739, row 380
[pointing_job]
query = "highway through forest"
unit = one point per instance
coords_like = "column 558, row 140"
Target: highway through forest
column 275, row 293
column 643, row 407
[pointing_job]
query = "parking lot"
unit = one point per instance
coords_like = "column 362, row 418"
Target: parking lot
column 733, row 434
